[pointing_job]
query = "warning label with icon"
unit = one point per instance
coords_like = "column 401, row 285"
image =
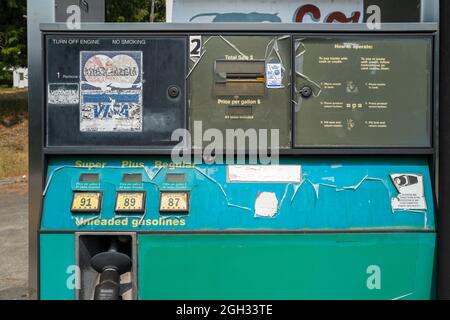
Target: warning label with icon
column 411, row 192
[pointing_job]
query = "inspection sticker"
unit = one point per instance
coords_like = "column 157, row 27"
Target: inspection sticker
column 111, row 91
column 273, row 75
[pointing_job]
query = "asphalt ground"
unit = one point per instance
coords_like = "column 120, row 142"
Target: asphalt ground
column 13, row 240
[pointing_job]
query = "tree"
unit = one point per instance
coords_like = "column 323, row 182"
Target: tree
column 134, row 10
column 13, row 38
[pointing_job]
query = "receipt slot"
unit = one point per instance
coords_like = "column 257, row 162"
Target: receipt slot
column 354, row 188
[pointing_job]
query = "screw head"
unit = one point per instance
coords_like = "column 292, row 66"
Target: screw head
column 173, row 91
column 306, row 92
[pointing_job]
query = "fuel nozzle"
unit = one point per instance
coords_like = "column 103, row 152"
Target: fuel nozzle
column 110, row 264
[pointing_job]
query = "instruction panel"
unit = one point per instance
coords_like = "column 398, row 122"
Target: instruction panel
column 362, row 92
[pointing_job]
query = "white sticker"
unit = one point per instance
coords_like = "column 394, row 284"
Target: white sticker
column 265, row 173
column 195, row 46
column 273, row 75
column 63, row 93
column 411, row 192
column 266, row 205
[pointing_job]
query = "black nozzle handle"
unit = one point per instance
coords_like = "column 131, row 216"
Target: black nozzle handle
column 109, row 285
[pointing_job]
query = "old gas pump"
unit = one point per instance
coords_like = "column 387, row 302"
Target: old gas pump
column 332, row 197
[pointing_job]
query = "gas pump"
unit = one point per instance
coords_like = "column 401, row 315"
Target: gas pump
column 348, row 211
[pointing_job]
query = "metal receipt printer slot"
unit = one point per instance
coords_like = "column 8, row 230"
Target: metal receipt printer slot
column 239, row 78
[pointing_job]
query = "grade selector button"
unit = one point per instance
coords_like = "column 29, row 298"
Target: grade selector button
column 89, row 177
column 132, row 177
column 130, row 202
column 174, row 202
column 86, row 202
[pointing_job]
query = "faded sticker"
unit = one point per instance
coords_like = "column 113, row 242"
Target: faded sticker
column 63, row 93
column 411, row 192
column 266, row 205
column 262, row 173
column 273, row 75
column 111, row 91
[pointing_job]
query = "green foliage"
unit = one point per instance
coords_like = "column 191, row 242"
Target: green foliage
column 134, row 10
column 13, row 39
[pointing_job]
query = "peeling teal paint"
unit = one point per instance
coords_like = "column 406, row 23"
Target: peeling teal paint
column 361, row 190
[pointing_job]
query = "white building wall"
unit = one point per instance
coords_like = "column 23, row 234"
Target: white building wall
column 20, row 78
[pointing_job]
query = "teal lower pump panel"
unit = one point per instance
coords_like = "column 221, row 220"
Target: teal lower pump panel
column 58, row 268
column 308, row 228
column 286, row 266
